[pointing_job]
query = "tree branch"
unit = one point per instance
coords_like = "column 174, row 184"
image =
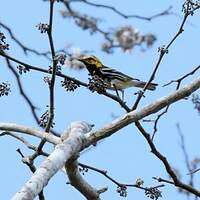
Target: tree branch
column 78, row 182
column 41, row 69
column 21, row 139
column 62, row 153
column 165, row 12
column 165, row 162
column 33, row 169
column 24, row 47
column 30, row 131
column 52, row 83
column 137, row 115
column 76, row 144
column 164, row 50
column 21, row 90
column 120, row 185
column 118, row 123
column 179, row 80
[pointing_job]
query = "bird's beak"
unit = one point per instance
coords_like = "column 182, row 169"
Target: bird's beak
column 80, row 59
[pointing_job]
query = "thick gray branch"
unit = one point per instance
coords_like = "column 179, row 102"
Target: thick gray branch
column 62, row 153
column 136, row 115
column 120, row 122
column 76, row 141
column 30, row 131
column 78, row 182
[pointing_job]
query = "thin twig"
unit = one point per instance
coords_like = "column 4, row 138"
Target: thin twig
column 52, row 83
column 30, row 131
column 41, row 69
column 159, row 179
column 157, row 120
column 23, row 47
column 117, row 99
column 31, row 67
column 21, row 139
column 163, row 13
column 179, row 80
column 104, row 173
column 185, row 154
column 21, row 90
column 165, row 162
column 32, row 168
column 163, row 51
column 51, row 86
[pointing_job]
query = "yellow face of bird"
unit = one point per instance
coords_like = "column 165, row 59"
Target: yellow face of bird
column 91, row 60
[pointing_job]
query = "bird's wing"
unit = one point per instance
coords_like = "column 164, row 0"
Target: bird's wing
column 114, row 74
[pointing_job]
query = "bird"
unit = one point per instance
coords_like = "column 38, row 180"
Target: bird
column 113, row 79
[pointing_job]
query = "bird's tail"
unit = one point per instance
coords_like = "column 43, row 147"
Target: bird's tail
column 141, row 84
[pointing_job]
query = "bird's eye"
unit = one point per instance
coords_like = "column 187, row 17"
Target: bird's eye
column 90, row 60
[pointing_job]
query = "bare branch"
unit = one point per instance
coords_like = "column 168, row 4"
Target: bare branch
column 41, row 69
column 157, row 120
column 24, row 95
column 30, row 131
column 78, row 182
column 165, row 162
column 164, row 50
column 117, row 99
column 179, row 80
column 118, row 123
column 163, row 13
column 137, row 115
column 52, row 83
column 159, row 179
column 21, row 139
column 177, row 87
column 62, row 153
column 114, row 97
column 186, row 156
column 24, row 47
column 194, row 171
column 33, row 169
column 115, row 38
column 120, row 185
column 123, row 121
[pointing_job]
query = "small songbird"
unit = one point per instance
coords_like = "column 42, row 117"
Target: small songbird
column 113, row 79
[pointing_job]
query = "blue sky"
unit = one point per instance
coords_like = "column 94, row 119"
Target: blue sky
column 126, row 155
